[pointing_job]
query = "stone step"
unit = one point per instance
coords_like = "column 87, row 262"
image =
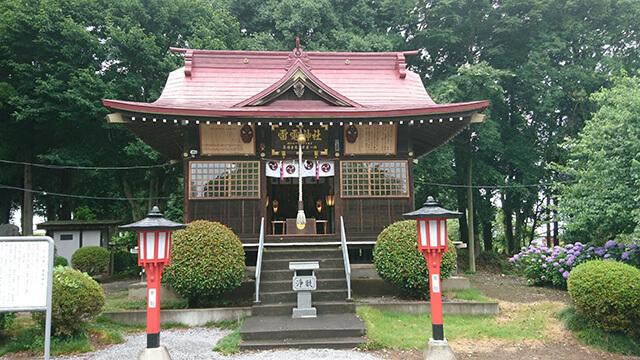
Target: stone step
column 321, row 343
column 321, row 275
column 302, row 254
column 324, row 331
column 292, row 296
column 286, row 309
column 287, row 285
column 283, row 264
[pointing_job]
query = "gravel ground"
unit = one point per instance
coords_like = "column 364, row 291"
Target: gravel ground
column 197, row 343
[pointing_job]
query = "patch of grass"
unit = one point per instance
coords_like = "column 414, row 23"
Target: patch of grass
column 593, row 336
column 401, row 331
column 230, row 344
column 470, row 294
column 120, row 302
column 25, row 335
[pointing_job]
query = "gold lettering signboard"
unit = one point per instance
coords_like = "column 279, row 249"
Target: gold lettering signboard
column 227, row 139
column 284, row 140
column 370, row 139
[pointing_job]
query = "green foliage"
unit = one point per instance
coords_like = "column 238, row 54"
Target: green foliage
column 601, row 202
column 76, row 299
column 60, row 261
column 398, row 261
column 125, row 263
column 207, row 260
column 84, row 213
column 6, row 318
column 91, row 259
column 593, row 336
column 607, row 294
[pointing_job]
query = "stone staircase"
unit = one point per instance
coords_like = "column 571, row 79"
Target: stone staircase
column 271, row 324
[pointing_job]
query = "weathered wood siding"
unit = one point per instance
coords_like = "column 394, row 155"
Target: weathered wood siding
column 365, row 218
column 242, row 216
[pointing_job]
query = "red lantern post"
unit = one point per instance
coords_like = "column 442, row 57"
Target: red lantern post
column 432, row 242
column 154, row 252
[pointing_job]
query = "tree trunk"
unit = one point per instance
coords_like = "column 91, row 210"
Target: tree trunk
column 5, row 208
column 472, row 242
column 548, row 211
column 66, row 207
column 135, row 209
column 508, row 226
column 27, row 202
column 487, row 235
column 556, row 240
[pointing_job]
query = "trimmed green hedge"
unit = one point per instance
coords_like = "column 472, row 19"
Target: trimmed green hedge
column 397, row 259
column 607, row 293
column 91, row 259
column 76, row 299
column 207, row 259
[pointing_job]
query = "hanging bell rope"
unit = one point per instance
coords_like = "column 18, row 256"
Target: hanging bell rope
column 301, row 220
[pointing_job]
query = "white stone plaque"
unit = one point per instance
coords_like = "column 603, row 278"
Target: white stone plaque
column 24, row 273
column 435, row 282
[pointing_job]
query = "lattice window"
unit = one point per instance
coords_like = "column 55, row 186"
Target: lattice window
column 218, row 179
column 375, row 179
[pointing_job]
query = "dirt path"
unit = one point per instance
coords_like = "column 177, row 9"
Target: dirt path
column 513, row 291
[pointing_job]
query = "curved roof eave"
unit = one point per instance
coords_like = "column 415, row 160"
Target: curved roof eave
column 303, row 113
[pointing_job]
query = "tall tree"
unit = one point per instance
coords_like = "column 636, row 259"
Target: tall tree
column 602, row 201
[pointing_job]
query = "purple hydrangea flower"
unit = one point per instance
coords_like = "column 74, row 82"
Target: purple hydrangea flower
column 591, row 249
column 569, row 262
column 543, row 256
column 569, row 246
column 549, row 259
column 565, row 274
column 544, row 266
column 607, row 256
column 633, row 246
column 600, row 251
column 561, row 261
column 524, row 248
column 625, row 255
column 516, row 257
column 542, row 277
column 622, row 246
column 555, row 264
column 609, row 244
column 537, row 251
column 561, row 270
column 534, row 260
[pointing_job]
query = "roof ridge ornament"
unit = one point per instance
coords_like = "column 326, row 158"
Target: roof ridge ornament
column 297, row 55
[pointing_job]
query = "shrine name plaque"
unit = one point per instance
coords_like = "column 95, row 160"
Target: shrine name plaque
column 285, row 139
column 370, row 139
column 227, row 139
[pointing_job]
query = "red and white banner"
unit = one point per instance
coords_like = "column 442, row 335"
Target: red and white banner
column 289, row 169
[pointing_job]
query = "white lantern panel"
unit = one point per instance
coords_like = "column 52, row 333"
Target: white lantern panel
column 422, row 227
column 433, row 233
column 151, row 245
column 443, row 233
column 162, row 247
column 141, row 246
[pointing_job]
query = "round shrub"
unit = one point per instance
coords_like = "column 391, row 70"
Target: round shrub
column 398, row 261
column 91, row 259
column 60, row 261
column 607, row 293
column 207, row 259
column 76, row 299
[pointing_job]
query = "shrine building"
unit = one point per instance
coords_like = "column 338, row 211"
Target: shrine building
column 237, row 120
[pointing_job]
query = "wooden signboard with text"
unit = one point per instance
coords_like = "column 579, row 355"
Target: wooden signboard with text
column 370, row 139
column 227, row 139
column 285, row 139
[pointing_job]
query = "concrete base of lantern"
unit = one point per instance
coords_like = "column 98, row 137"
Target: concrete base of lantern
column 438, row 350
column 159, row 353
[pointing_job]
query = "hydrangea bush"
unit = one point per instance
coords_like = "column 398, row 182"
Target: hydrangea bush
column 544, row 265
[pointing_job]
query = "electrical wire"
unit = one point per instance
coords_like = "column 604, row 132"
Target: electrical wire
column 65, row 167
column 548, row 184
column 45, row 193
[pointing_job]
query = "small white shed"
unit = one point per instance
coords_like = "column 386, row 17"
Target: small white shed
column 70, row 235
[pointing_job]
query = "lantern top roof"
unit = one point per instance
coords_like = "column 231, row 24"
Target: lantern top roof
column 153, row 221
column 431, row 209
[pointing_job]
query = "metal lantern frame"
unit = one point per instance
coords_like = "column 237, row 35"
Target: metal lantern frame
column 432, row 242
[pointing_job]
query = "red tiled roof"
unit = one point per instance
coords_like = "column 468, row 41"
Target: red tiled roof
column 233, row 83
